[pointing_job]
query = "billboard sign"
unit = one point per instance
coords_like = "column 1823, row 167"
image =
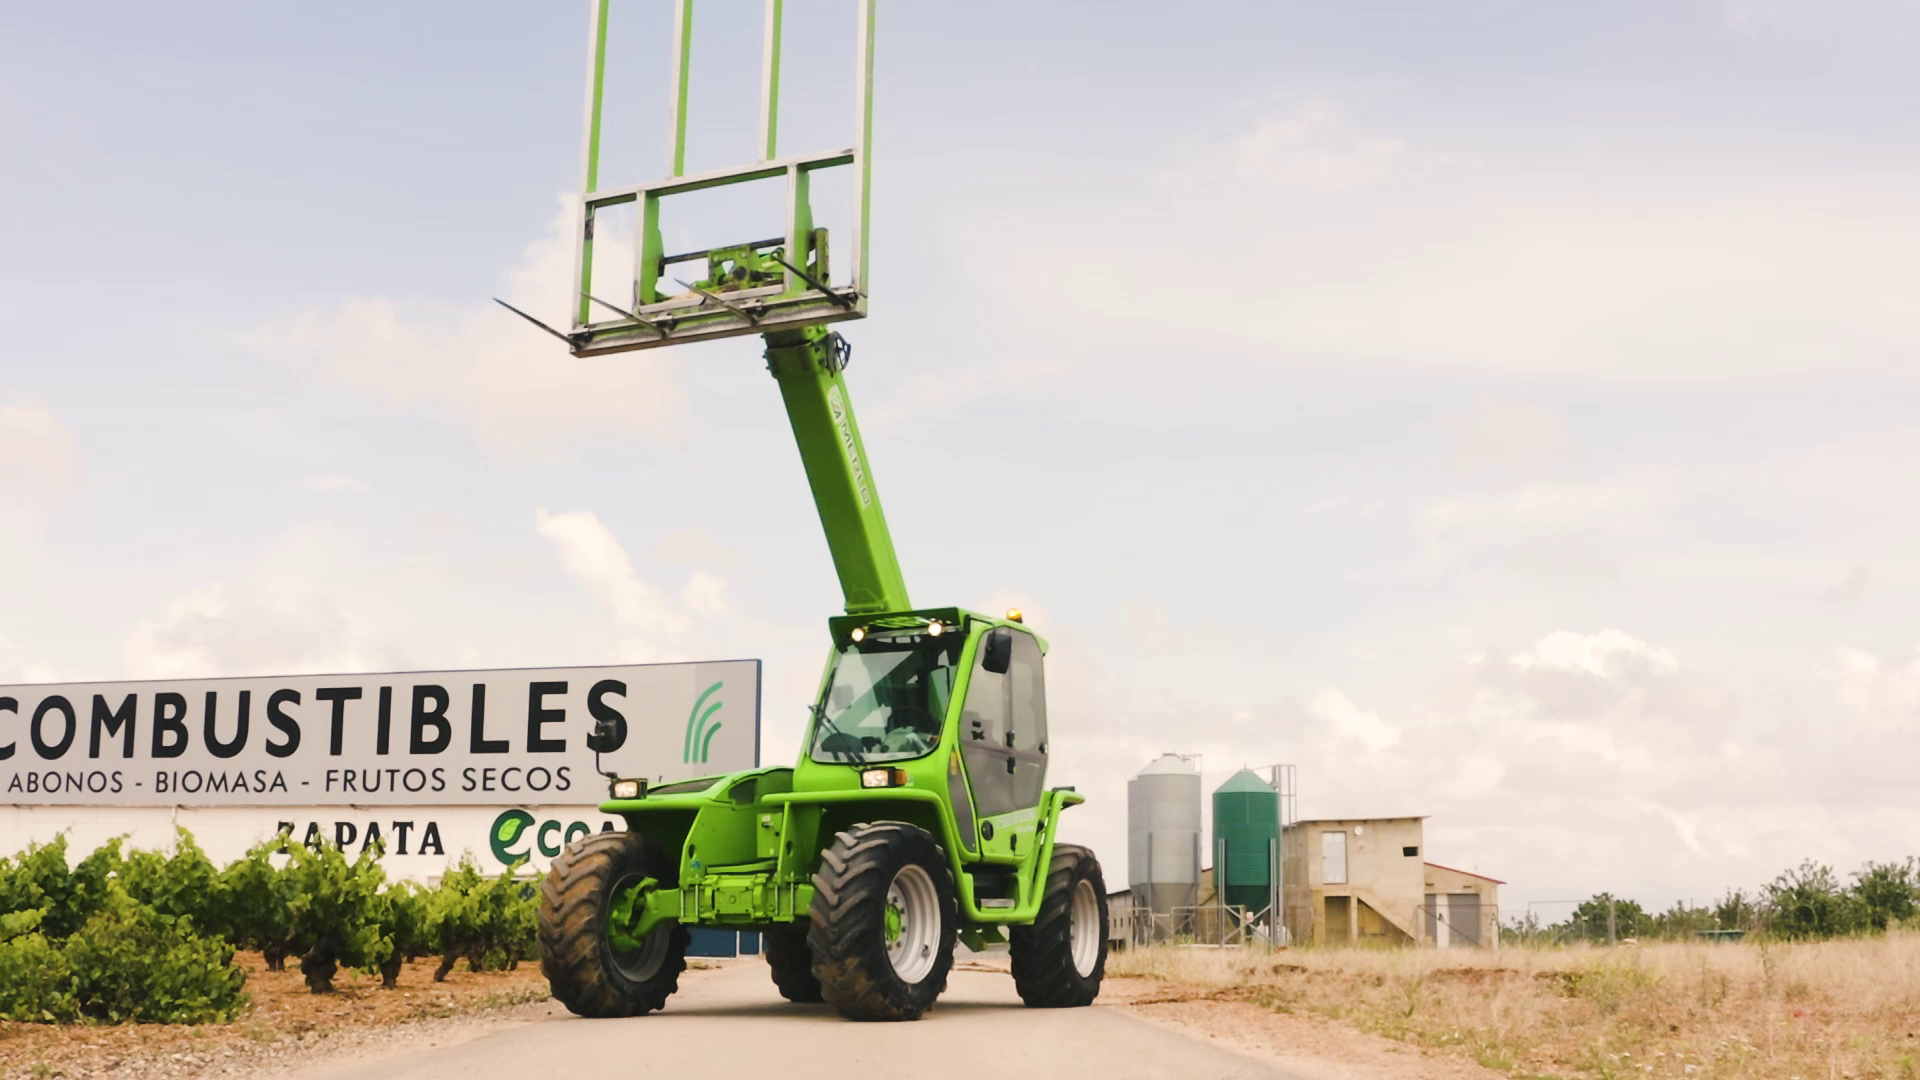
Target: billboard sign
column 400, row 739
column 416, row 842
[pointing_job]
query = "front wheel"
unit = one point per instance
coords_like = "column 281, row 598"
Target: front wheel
column 884, row 922
column 1058, row 961
column 587, row 973
column 791, row 961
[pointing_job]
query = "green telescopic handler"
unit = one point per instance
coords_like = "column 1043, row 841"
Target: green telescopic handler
column 917, row 815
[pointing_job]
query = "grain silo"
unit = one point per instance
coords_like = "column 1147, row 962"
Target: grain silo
column 1163, row 835
column 1246, row 834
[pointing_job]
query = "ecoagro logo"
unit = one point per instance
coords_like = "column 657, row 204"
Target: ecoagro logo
column 514, row 826
column 699, row 738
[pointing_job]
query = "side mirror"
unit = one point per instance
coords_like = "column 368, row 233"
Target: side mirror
column 609, row 734
column 997, row 651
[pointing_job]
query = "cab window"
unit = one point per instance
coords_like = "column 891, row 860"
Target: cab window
column 1003, row 729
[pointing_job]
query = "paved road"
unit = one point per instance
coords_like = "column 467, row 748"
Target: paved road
column 729, row 1021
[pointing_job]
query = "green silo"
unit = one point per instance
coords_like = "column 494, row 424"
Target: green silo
column 1246, row 828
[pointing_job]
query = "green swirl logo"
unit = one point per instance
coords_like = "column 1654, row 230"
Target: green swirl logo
column 699, row 737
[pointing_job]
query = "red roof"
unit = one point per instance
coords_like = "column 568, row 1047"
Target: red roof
column 1469, row 873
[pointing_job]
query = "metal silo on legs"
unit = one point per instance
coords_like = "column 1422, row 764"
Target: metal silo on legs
column 1246, row 844
column 1163, row 843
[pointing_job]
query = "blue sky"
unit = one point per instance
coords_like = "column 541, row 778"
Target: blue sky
column 1497, row 409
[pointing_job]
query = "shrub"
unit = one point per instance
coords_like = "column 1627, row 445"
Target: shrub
column 1736, row 911
column 35, row 982
column 130, row 963
column 1886, row 893
column 1605, row 918
column 184, row 885
column 488, row 921
column 253, row 900
column 1809, row 902
column 409, row 913
column 336, row 911
column 39, row 879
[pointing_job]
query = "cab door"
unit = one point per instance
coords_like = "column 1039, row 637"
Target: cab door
column 1003, row 740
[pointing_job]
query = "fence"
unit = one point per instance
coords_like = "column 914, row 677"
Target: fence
column 1205, row 924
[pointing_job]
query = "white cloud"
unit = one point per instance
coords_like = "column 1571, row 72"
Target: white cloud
column 1301, row 144
column 1883, row 695
column 705, row 595
column 224, row 629
column 37, row 453
column 513, row 386
column 1819, row 18
column 1306, row 245
column 1760, row 16
column 1508, row 435
column 1604, row 653
column 1583, row 761
column 655, row 627
column 329, row 484
column 16, row 666
column 1349, row 721
column 1526, row 510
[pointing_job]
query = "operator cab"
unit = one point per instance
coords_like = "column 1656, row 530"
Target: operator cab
column 893, row 688
column 888, row 698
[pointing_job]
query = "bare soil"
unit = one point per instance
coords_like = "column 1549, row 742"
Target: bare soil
column 286, row 1027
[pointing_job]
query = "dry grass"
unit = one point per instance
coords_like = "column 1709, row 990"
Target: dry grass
column 1694, row 1012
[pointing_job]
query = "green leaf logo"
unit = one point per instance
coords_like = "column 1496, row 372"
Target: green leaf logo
column 699, row 738
column 507, row 830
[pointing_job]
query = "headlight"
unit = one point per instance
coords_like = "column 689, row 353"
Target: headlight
column 882, row 778
column 628, row 789
column 858, row 634
column 935, row 629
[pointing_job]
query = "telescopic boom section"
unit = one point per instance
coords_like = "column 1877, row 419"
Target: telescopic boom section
column 808, row 364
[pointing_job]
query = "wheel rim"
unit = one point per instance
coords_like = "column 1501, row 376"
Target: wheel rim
column 911, row 924
column 645, row 962
column 1083, row 928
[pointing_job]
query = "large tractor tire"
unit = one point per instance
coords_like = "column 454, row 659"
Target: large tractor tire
column 791, row 959
column 884, row 922
column 588, row 975
column 1058, row 961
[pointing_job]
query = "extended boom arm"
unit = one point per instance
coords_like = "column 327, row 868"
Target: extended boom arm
column 807, row 363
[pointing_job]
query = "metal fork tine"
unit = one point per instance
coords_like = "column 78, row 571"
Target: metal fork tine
column 816, row 283
column 625, row 313
column 735, row 308
column 534, row 321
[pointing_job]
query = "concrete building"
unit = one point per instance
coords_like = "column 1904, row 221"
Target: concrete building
column 1462, row 909
column 1358, row 881
column 1367, row 881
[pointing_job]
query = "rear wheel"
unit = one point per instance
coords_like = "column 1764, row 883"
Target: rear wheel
column 791, row 959
column 587, row 973
column 884, row 922
column 1058, row 962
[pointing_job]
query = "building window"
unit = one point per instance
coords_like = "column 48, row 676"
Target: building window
column 1410, row 852
column 1333, row 858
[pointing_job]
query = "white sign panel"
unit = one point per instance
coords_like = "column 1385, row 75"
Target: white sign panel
column 417, row 842
column 413, row 739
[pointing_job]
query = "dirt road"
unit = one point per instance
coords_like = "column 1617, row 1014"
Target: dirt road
column 729, row 1018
